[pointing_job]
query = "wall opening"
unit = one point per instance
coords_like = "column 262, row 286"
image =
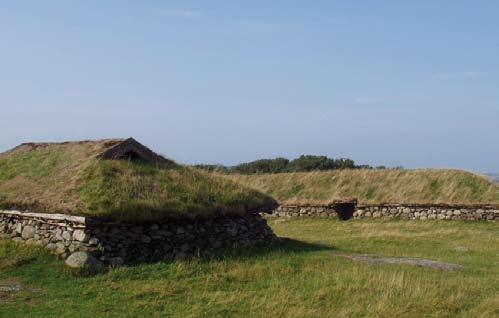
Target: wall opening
column 345, row 210
column 131, row 155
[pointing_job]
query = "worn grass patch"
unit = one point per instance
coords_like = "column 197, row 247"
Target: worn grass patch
column 375, row 186
column 300, row 278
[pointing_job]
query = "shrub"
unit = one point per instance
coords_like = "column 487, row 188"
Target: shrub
column 262, row 166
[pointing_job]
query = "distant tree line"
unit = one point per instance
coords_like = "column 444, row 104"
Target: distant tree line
column 302, row 164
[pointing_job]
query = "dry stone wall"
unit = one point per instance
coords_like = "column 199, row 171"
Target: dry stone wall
column 428, row 212
column 295, row 210
column 420, row 212
column 118, row 243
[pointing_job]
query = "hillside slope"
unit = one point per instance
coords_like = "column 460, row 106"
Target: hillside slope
column 73, row 178
column 375, row 186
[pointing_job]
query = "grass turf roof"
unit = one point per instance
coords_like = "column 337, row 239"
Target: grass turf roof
column 418, row 186
column 74, row 178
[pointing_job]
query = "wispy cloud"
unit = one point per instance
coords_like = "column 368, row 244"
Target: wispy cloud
column 183, row 13
column 457, row 76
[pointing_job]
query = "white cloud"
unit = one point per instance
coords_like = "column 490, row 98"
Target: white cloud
column 183, row 13
column 457, row 76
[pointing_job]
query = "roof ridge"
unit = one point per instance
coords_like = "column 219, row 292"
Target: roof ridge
column 73, row 141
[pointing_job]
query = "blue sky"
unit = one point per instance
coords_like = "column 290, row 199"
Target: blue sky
column 411, row 83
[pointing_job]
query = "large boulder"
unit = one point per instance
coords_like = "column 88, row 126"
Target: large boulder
column 82, row 260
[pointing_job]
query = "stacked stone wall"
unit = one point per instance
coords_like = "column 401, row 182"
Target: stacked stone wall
column 420, row 212
column 117, row 243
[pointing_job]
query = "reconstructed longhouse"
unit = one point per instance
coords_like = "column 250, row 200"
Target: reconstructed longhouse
column 118, row 201
column 413, row 194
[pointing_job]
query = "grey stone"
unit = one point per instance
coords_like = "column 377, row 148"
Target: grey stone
column 66, row 235
column 81, row 236
column 93, row 241
column 180, row 230
column 116, row 261
column 28, row 232
column 400, row 260
column 58, row 236
column 74, row 247
column 51, row 246
column 82, row 260
column 60, row 248
column 12, row 287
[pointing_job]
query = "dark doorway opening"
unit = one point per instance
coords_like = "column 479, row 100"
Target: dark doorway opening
column 345, row 210
column 131, row 155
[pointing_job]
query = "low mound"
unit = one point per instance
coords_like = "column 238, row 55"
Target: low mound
column 439, row 186
column 116, row 179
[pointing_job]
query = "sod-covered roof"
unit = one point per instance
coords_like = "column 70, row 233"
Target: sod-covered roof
column 118, row 179
column 375, row 186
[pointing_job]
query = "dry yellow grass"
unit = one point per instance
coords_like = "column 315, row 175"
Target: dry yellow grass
column 448, row 186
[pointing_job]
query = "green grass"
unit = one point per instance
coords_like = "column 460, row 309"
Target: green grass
column 69, row 178
column 448, row 186
column 135, row 190
column 301, row 278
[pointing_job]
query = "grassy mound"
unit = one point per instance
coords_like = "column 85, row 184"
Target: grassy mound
column 70, row 178
column 375, row 186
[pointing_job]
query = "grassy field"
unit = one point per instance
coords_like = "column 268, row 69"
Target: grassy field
column 300, row 278
column 375, row 186
column 69, row 178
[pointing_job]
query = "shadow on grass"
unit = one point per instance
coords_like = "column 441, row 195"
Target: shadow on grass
column 292, row 245
column 283, row 247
